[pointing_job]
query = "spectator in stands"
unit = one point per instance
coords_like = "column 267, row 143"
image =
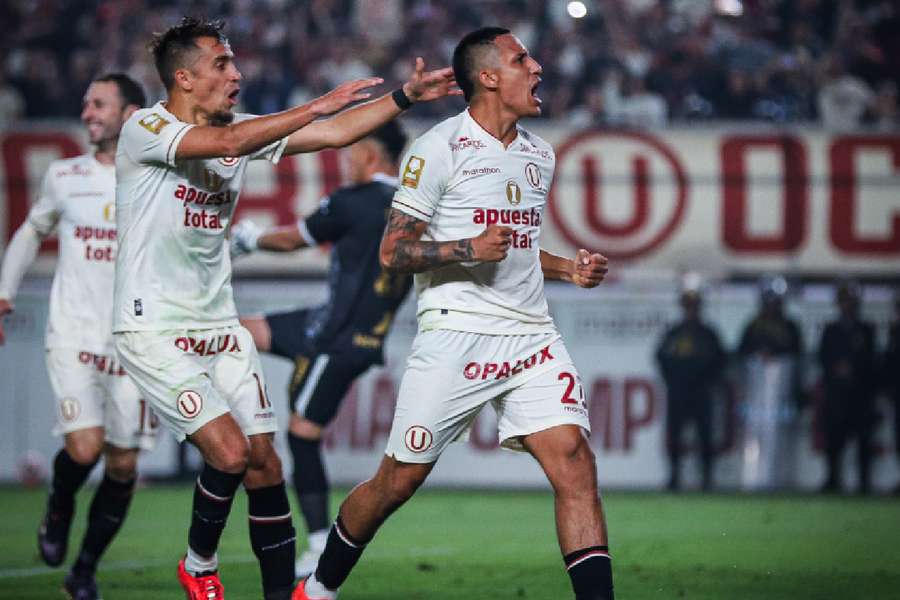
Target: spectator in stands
column 843, row 99
column 692, row 363
column 847, row 356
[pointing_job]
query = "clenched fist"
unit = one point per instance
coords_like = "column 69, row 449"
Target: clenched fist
column 589, row 269
column 493, row 244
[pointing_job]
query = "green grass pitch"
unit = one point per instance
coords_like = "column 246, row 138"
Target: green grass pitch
column 493, row 545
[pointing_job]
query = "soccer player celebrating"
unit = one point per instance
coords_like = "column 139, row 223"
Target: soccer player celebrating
column 466, row 220
column 334, row 343
column 180, row 167
column 99, row 410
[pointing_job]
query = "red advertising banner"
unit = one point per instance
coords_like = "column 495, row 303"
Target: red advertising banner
column 718, row 201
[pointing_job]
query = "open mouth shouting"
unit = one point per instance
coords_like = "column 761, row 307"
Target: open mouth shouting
column 233, row 96
column 534, row 89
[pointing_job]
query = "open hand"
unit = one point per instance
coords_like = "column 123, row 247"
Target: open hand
column 344, row 94
column 431, row 85
column 589, row 269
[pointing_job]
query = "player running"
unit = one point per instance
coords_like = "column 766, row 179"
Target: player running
column 99, row 410
column 336, row 342
column 180, row 167
column 466, row 220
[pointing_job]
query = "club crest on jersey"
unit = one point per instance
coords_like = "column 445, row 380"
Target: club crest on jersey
column 69, row 409
column 413, row 172
column 418, row 439
column 190, row 403
column 153, row 123
column 229, row 161
column 533, row 175
column 513, row 192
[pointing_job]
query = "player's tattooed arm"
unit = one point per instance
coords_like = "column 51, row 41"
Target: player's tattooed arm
column 403, row 250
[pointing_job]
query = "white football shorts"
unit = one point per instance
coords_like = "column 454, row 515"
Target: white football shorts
column 93, row 390
column 529, row 379
column 191, row 377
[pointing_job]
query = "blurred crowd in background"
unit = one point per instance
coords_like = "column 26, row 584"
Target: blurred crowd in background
column 641, row 63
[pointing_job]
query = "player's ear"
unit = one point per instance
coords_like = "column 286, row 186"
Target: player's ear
column 184, row 79
column 489, row 79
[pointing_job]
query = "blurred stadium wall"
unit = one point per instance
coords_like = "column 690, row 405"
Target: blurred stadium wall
column 730, row 203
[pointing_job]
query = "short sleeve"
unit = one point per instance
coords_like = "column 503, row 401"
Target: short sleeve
column 423, row 179
column 329, row 222
column 46, row 212
column 272, row 152
column 150, row 137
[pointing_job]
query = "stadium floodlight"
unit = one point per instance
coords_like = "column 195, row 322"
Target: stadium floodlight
column 731, row 8
column 576, row 9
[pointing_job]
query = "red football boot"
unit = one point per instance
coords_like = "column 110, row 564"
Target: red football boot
column 205, row 586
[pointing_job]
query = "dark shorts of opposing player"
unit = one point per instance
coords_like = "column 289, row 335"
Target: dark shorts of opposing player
column 320, row 380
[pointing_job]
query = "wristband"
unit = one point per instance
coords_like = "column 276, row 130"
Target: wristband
column 400, row 98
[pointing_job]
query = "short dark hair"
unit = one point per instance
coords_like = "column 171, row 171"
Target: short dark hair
column 170, row 47
column 130, row 90
column 392, row 137
column 465, row 54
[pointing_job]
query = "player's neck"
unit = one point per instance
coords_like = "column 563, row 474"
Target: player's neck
column 185, row 110
column 494, row 119
column 105, row 154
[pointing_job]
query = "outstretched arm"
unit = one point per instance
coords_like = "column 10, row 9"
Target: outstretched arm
column 247, row 237
column 585, row 270
column 20, row 254
column 251, row 135
column 359, row 121
column 403, row 251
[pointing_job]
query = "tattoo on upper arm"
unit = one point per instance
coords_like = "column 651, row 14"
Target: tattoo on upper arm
column 412, row 255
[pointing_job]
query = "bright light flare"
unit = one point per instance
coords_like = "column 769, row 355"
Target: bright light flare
column 576, row 9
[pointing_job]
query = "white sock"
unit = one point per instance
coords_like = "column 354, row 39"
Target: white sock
column 194, row 563
column 315, row 587
column 317, row 540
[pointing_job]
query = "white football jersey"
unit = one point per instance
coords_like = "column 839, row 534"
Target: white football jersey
column 174, row 268
column 460, row 179
column 78, row 200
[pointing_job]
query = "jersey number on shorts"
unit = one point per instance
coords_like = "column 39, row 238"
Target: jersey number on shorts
column 567, row 395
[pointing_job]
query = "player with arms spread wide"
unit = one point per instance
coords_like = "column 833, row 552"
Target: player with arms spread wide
column 466, row 220
column 180, row 167
column 99, row 410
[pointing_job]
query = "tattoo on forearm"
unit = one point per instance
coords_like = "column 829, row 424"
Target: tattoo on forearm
column 415, row 256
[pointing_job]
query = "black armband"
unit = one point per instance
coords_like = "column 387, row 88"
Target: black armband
column 400, row 98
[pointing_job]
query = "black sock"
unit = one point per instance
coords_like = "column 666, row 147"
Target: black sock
column 213, row 495
column 272, row 537
column 68, row 477
column 310, row 481
column 590, row 570
column 340, row 556
column 107, row 514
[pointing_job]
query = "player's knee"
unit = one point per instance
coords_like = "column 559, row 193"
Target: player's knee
column 576, row 470
column 401, row 487
column 84, row 451
column 121, row 465
column 264, row 465
column 231, row 458
column 305, row 429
